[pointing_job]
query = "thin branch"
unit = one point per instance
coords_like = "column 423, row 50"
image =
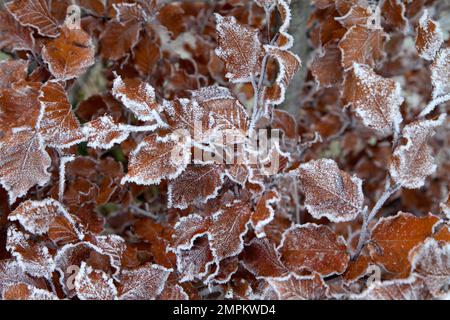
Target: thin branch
column 433, row 104
column 62, row 175
column 368, row 217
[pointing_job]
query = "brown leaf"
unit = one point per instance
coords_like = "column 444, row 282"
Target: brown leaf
column 34, row 13
column 300, row 288
column 13, row 36
column 361, row 45
column 315, row 248
column 23, row 162
column 330, row 192
column 91, row 284
column 413, row 162
column 70, row 54
column 239, row 48
column 429, row 37
column 324, row 67
column 412, row 288
column 262, row 259
column 59, row 126
column 23, row 291
column 394, row 237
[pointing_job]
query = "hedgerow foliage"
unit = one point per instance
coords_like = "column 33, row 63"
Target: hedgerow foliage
column 104, row 196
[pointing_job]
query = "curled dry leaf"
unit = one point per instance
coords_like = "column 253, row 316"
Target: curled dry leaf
column 239, row 48
column 313, row 248
column 376, row 100
column 413, row 162
column 429, row 37
column 394, row 237
column 36, row 14
column 103, row 132
column 330, row 192
column 70, row 54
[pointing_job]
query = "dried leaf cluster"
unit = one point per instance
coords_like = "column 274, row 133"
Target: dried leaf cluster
column 108, row 190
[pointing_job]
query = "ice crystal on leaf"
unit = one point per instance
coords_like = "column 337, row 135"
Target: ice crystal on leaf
column 440, row 73
column 330, row 192
column 300, row 288
column 91, row 284
column 239, row 48
column 429, row 37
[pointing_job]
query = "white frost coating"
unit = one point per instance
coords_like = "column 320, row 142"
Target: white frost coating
column 432, row 40
column 33, row 292
column 93, row 284
column 440, row 73
column 240, row 51
column 285, row 26
column 37, row 216
column 113, row 246
column 432, row 263
column 141, row 107
column 191, row 270
column 380, row 101
column 37, row 261
column 259, row 226
column 62, row 175
column 413, row 162
column 103, row 133
column 189, row 225
column 330, row 192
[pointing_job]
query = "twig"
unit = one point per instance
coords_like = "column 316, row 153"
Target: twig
column 368, row 217
column 433, row 104
column 62, row 174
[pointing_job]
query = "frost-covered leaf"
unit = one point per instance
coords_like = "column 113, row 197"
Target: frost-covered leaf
column 137, row 96
column 34, row 13
column 63, row 231
column 376, row 100
column 288, row 63
column 33, row 257
column 330, row 192
column 262, row 259
column 195, row 263
column 440, row 73
column 413, row 162
column 59, row 126
column 412, row 288
column 228, row 228
column 197, row 184
column 264, row 211
column 36, row 217
column 356, row 16
column 70, row 54
column 112, row 245
column 143, row 283
column 285, row 41
column 13, row 36
column 187, row 229
column 394, row 237
column 239, row 48
column 394, row 13
column 91, row 284
column 11, row 273
column 432, row 262
column 23, row 291
column 300, row 287
column 157, row 158
column 103, row 133
column 361, row 45
column 314, row 248
column 12, row 71
column 266, row 4
column 324, row 67
column 23, row 162
column 173, row 292
column 429, row 37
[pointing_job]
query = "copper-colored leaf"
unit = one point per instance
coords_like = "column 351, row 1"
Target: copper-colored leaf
column 429, row 37
column 239, row 48
column 13, row 36
column 330, row 192
column 262, row 259
column 91, row 284
column 34, row 13
column 300, row 288
column 23, row 291
column 394, row 237
column 314, row 248
column 440, row 73
column 70, row 54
